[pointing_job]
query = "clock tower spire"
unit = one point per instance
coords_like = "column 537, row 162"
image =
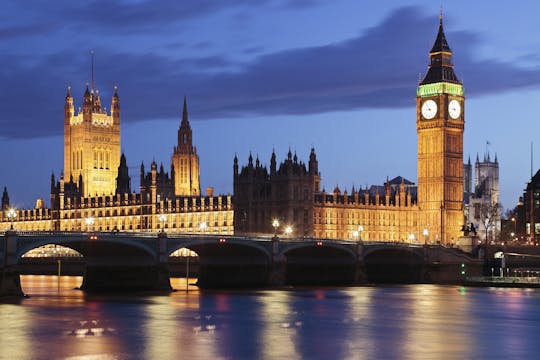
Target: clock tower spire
column 440, row 124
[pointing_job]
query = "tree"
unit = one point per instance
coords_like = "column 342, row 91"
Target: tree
column 509, row 224
column 490, row 213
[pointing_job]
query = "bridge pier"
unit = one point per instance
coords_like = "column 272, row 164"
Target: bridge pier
column 276, row 275
column 10, row 281
column 163, row 281
column 360, row 276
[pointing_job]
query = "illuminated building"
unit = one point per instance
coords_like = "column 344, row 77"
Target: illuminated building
column 94, row 194
column 291, row 193
column 396, row 211
column 440, row 122
column 92, row 189
column 92, row 144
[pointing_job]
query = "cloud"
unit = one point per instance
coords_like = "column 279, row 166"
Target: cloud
column 377, row 69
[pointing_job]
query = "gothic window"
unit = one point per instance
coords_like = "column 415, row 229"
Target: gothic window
column 100, row 159
column 107, row 158
column 95, row 159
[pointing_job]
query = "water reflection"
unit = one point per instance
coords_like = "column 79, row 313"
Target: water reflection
column 405, row 322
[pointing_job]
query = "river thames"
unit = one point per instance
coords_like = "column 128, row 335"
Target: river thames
column 56, row 321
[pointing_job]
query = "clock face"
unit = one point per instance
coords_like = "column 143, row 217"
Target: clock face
column 429, row 109
column 454, row 109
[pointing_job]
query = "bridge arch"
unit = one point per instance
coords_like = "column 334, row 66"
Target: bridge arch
column 82, row 243
column 319, row 263
column 394, row 264
column 227, row 261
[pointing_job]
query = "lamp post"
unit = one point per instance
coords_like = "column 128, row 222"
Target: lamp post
column 89, row 221
column 411, row 238
column 360, row 229
column 426, row 234
column 203, row 226
column 275, row 225
column 162, row 220
column 12, row 214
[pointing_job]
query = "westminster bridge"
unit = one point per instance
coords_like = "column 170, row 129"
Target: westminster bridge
column 117, row 261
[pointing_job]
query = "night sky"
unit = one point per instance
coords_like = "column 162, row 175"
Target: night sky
column 338, row 75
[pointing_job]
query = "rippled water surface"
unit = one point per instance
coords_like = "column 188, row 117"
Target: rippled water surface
column 391, row 322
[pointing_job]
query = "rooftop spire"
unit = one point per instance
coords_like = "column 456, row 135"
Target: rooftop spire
column 440, row 68
column 440, row 44
column 92, row 68
column 184, row 112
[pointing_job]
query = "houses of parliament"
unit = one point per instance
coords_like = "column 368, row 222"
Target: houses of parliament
column 96, row 184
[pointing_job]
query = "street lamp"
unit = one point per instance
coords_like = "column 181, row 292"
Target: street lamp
column 275, row 225
column 162, row 220
column 12, row 214
column 426, row 233
column 360, row 229
column 89, row 221
column 288, row 230
column 411, row 238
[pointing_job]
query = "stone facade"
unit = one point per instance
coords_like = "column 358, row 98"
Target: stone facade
column 291, row 194
column 92, row 143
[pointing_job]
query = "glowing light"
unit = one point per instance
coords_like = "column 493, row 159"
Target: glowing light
column 11, row 214
column 203, row 226
column 288, row 230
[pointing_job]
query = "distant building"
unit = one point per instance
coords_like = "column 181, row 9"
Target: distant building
column 481, row 202
column 529, row 209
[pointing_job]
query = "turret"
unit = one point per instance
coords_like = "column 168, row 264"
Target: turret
column 53, row 182
column 68, row 107
column 313, row 163
column 123, row 181
column 96, row 102
column 235, row 165
column 5, row 199
column 87, row 102
column 141, row 173
column 115, row 107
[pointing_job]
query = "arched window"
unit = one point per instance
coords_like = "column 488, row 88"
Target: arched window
column 100, row 159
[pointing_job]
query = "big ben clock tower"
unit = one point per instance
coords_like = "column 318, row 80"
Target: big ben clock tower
column 440, row 123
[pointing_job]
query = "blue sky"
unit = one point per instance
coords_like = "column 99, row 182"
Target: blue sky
column 338, row 75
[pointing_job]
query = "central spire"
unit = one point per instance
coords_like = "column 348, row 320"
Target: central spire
column 184, row 113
